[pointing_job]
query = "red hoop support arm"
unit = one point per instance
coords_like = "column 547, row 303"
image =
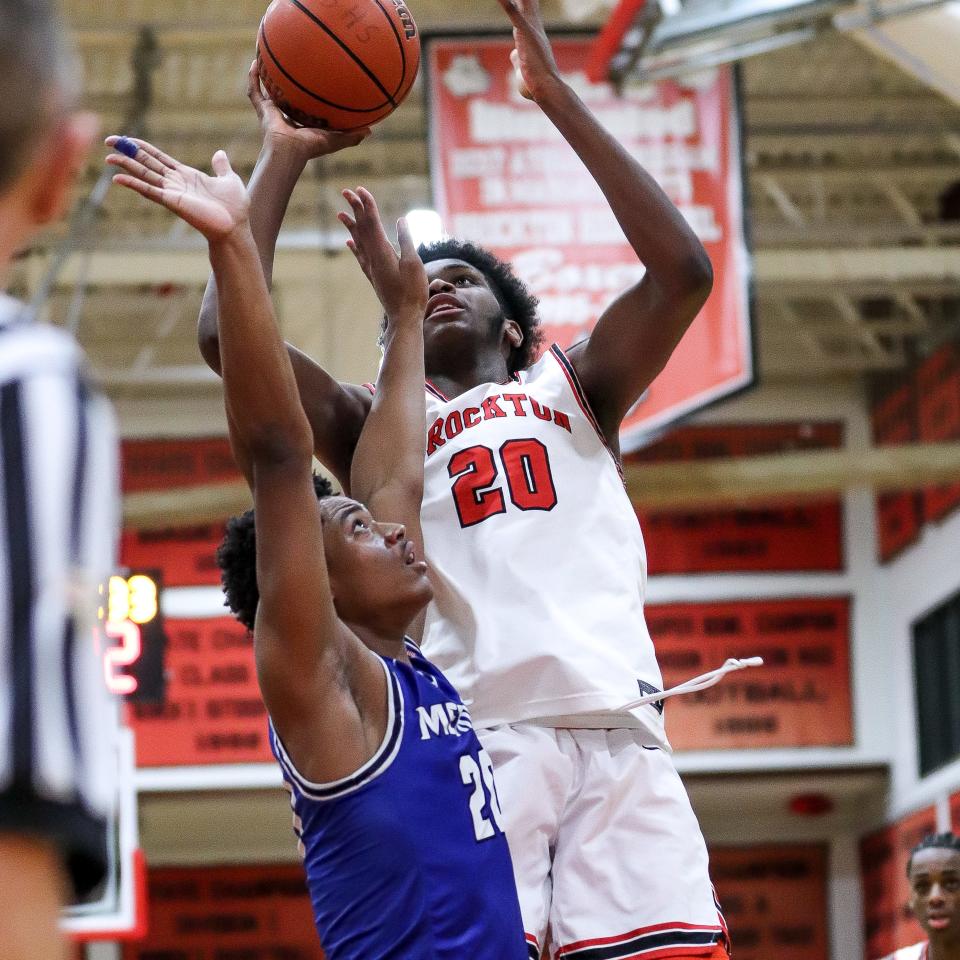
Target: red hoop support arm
column 608, row 40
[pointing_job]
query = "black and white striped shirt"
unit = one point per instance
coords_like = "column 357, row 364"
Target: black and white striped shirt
column 58, row 526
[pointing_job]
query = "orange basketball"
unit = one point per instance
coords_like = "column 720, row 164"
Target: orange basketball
column 339, row 64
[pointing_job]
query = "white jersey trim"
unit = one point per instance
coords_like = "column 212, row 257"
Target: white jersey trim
column 381, row 760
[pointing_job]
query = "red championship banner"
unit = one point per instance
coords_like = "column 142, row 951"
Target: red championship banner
column 955, row 812
column 938, row 407
column 212, row 712
column 774, row 899
column 886, row 891
column 227, row 913
column 893, row 418
column 185, row 554
column 504, row 178
column 765, row 537
column 800, row 697
column 161, row 464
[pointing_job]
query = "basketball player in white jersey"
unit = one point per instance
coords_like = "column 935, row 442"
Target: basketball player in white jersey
column 538, row 558
column 934, row 872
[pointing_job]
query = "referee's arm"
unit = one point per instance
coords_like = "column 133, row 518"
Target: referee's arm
column 58, row 504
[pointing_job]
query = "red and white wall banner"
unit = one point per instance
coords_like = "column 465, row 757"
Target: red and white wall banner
column 212, row 712
column 774, row 899
column 215, row 913
column 504, row 178
column 889, row 924
column 938, row 409
column 185, row 554
column 893, row 419
column 918, row 404
column 765, row 537
column 161, row 464
column 800, row 697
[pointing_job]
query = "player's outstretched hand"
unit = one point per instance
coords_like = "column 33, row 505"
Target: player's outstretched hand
column 400, row 281
column 307, row 142
column 532, row 57
column 216, row 206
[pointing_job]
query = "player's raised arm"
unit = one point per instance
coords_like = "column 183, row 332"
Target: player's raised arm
column 302, row 648
column 335, row 410
column 387, row 471
column 637, row 333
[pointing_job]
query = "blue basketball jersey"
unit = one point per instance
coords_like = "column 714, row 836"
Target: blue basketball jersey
column 406, row 859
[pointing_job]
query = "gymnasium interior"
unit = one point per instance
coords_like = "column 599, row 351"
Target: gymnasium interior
column 807, row 509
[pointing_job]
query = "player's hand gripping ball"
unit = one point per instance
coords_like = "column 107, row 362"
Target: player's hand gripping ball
column 338, row 64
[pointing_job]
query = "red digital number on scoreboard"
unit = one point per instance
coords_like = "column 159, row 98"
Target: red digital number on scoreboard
column 131, row 637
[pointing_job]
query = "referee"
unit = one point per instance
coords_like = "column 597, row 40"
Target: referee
column 58, row 512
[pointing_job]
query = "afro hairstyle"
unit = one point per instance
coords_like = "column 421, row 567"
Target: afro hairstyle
column 516, row 301
column 237, row 560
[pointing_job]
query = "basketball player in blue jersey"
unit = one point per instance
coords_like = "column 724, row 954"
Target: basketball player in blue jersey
column 536, row 556
column 393, row 797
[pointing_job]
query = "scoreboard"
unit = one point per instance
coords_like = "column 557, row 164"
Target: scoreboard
column 131, row 639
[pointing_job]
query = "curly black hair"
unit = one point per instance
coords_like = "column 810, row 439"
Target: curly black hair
column 516, row 301
column 935, row 841
column 237, row 560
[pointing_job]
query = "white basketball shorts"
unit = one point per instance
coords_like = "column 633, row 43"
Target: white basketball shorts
column 608, row 855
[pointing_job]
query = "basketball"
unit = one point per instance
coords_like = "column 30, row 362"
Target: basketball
column 338, row 64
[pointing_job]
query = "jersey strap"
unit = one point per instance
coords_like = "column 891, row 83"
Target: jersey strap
column 377, row 764
column 434, row 392
column 580, row 395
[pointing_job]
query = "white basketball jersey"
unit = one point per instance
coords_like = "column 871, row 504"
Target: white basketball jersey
column 917, row 952
column 538, row 561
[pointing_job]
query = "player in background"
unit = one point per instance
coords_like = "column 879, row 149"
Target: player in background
column 934, row 873
column 58, row 522
column 536, row 556
column 393, row 798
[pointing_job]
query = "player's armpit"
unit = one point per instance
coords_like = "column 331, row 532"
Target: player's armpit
column 632, row 342
column 336, row 412
column 330, row 721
